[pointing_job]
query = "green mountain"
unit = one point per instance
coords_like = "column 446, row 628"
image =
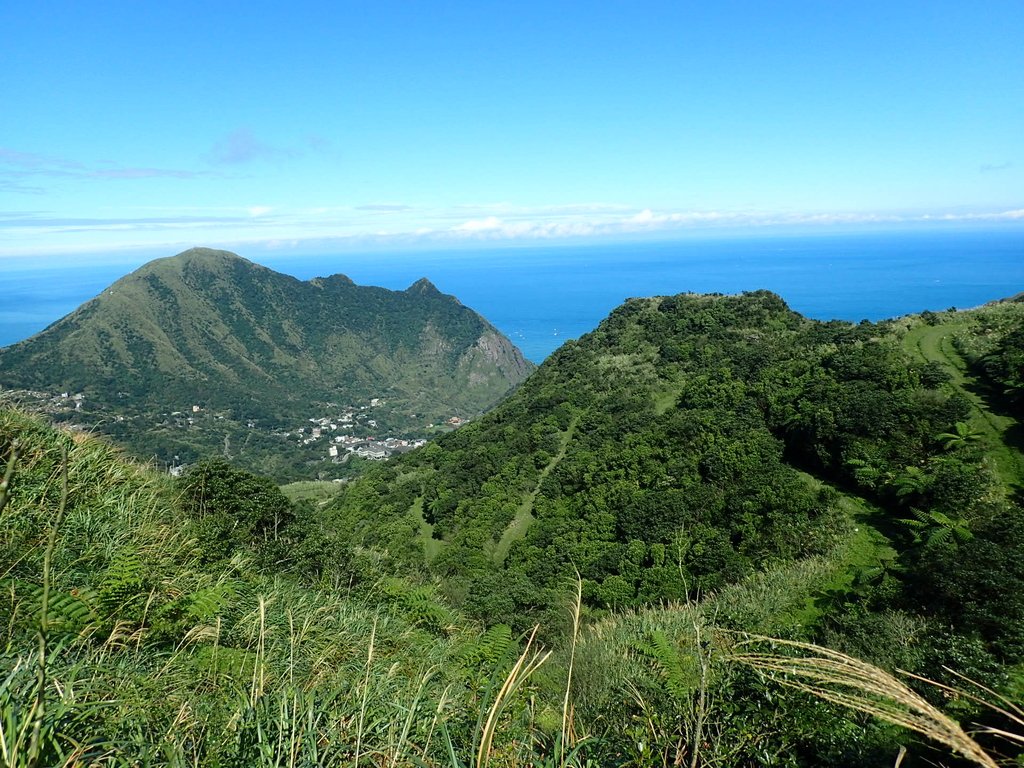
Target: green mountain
column 212, row 329
column 689, row 443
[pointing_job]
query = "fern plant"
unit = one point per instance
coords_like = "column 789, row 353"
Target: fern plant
column 935, row 527
column 678, row 671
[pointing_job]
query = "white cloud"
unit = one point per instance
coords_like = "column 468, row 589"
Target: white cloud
column 16, row 166
column 359, row 226
column 1014, row 215
column 489, row 224
column 385, row 208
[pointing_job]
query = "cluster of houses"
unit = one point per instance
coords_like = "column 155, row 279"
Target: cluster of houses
column 341, row 444
column 47, row 402
column 369, row 447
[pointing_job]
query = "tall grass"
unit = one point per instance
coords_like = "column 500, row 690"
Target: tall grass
column 122, row 649
column 145, row 657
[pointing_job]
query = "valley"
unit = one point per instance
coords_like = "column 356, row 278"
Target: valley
column 324, row 447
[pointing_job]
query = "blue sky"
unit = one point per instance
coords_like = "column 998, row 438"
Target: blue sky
column 346, row 126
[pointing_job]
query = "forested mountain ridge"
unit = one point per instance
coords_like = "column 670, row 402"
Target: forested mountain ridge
column 687, row 442
column 212, row 329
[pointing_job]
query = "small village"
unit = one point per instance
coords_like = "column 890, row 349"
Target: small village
column 349, row 431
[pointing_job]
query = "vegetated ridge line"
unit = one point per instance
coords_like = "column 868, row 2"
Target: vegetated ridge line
column 934, row 343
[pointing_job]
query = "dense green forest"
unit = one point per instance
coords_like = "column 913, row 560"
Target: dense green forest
column 585, row 576
column 686, row 443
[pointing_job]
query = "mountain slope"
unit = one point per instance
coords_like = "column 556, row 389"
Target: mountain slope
column 677, row 448
column 212, row 329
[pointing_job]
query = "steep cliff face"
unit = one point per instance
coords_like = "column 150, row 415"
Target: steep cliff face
column 209, row 326
column 492, row 360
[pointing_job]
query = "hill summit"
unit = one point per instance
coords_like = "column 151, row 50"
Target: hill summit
column 211, row 328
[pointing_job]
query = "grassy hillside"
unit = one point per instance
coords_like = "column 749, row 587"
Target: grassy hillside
column 948, row 342
column 132, row 637
column 693, row 445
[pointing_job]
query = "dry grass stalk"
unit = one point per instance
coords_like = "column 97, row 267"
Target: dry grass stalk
column 566, row 709
column 1005, row 707
column 849, row 682
column 258, row 672
column 366, row 689
column 39, row 711
column 5, row 484
column 525, row 666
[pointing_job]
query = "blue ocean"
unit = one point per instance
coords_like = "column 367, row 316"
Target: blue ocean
column 542, row 296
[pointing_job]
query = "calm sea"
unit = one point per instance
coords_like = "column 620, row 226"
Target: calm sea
column 541, row 296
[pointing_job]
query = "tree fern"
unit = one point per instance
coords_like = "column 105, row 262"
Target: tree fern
column 69, row 613
column 207, row 603
column 935, row 527
column 962, row 434
column 123, row 583
column 419, row 603
column 493, row 647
